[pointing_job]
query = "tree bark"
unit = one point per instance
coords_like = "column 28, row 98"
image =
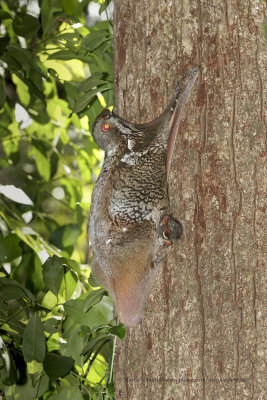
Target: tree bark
column 203, row 334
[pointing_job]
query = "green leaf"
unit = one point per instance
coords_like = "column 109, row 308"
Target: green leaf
column 93, row 298
column 53, row 272
column 14, row 324
column 31, row 390
column 101, row 313
column 42, row 163
column 68, row 393
column 4, row 15
column 50, row 325
column 22, row 90
column 69, row 6
column 11, row 282
column 65, row 236
column 47, row 9
column 68, row 286
column 8, row 364
column 74, row 308
column 91, row 82
column 104, row 6
column 4, row 41
column 101, row 62
column 70, row 235
column 9, row 248
column 42, row 385
column 26, row 25
column 57, row 366
column 95, row 39
column 92, row 281
column 71, row 264
column 75, row 345
column 85, row 99
column 93, row 111
column 119, row 331
column 24, row 57
column 9, row 292
column 67, row 55
column 101, row 337
column 34, row 344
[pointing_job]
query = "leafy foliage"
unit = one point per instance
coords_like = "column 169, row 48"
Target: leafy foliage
column 56, row 326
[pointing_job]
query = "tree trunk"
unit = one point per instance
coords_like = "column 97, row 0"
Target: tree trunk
column 203, row 334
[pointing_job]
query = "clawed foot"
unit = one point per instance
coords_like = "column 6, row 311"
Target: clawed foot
column 169, row 230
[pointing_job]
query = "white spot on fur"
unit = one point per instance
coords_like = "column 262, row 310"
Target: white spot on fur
column 110, row 153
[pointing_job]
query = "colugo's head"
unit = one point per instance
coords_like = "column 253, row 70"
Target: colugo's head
column 105, row 131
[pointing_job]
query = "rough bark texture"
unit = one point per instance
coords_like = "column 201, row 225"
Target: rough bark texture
column 203, row 334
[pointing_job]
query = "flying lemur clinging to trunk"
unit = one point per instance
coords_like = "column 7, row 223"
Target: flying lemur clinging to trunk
column 130, row 226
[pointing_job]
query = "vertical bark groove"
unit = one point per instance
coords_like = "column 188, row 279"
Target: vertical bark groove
column 203, row 335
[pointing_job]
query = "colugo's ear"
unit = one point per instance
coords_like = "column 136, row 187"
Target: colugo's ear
column 176, row 106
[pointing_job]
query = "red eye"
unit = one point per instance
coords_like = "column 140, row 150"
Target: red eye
column 105, row 127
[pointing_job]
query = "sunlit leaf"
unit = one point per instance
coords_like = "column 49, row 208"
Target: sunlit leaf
column 68, row 285
column 97, row 372
column 42, row 163
column 22, row 90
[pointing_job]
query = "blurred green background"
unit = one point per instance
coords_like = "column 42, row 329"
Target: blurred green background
column 56, row 75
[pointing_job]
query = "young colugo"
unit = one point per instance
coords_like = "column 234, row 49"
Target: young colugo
column 131, row 225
